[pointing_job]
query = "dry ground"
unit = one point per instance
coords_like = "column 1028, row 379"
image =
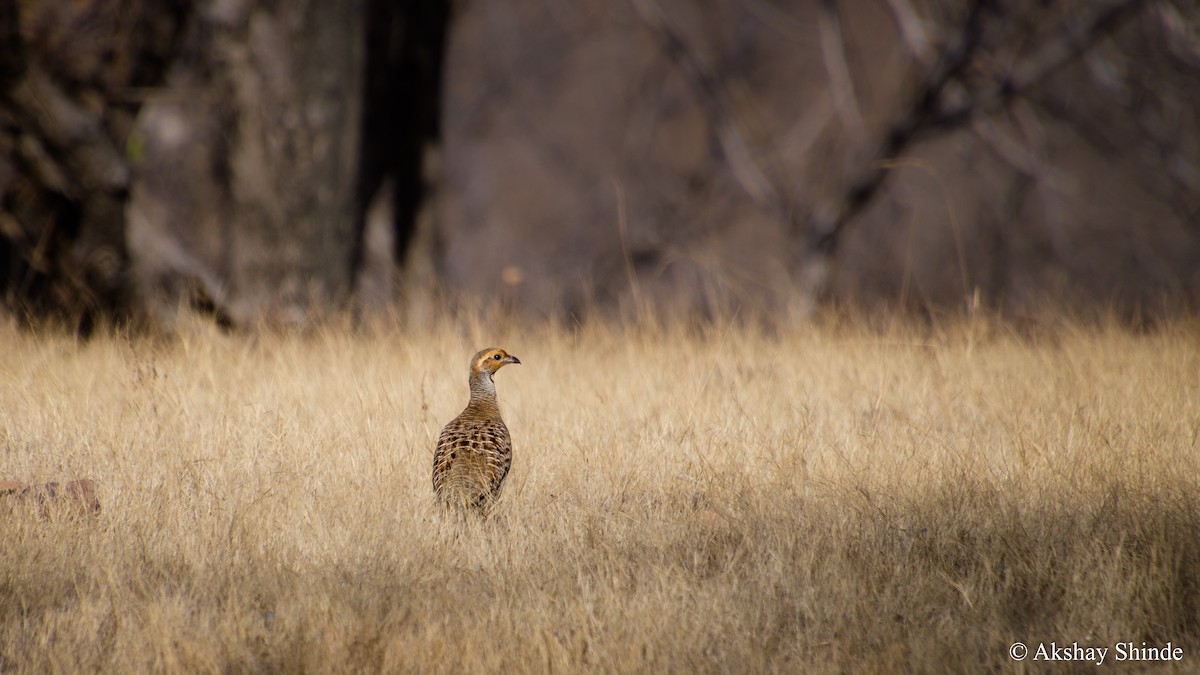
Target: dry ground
column 827, row 499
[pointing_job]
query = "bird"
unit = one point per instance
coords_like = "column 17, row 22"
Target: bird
column 474, row 450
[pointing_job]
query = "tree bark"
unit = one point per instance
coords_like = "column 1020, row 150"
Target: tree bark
column 245, row 192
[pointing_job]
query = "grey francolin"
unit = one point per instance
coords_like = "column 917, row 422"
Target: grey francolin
column 474, row 450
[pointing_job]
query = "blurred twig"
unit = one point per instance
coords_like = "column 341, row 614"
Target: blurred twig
column 912, row 31
column 833, row 54
column 641, row 309
column 929, row 112
column 704, row 85
column 1044, row 61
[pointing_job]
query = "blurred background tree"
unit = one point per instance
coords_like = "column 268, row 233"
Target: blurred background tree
column 274, row 161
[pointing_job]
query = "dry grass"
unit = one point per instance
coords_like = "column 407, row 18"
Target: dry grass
column 827, row 499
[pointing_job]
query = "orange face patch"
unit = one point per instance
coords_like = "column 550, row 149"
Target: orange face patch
column 491, row 360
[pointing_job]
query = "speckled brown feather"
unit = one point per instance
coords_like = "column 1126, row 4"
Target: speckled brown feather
column 474, row 451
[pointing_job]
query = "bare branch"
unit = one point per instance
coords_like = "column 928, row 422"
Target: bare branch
column 927, row 112
column 708, row 93
column 912, row 30
column 1046, row 60
column 833, row 52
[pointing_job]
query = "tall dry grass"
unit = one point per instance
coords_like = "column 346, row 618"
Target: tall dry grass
column 727, row 499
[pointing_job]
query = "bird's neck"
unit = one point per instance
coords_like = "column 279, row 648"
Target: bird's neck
column 483, row 393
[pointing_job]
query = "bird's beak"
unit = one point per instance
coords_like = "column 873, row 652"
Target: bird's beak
column 513, row 359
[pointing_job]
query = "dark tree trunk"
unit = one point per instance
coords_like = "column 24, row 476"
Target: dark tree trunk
column 246, row 190
column 67, row 70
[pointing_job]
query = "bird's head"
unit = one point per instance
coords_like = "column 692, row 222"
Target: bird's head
column 490, row 360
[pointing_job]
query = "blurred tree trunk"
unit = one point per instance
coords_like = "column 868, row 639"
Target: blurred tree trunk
column 67, row 73
column 247, row 165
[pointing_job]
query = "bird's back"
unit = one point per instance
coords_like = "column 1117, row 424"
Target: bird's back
column 473, row 455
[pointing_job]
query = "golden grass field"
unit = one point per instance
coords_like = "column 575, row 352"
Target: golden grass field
column 818, row 499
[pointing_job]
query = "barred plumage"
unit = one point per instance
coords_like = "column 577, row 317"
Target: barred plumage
column 474, row 450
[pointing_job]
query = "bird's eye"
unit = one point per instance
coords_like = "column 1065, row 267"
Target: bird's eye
column 497, row 357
